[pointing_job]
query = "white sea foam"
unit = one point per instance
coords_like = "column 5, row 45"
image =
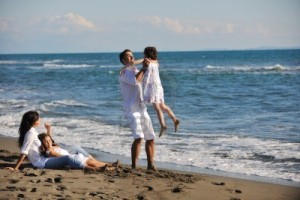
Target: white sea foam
column 61, row 103
column 274, row 68
column 61, row 66
column 8, row 62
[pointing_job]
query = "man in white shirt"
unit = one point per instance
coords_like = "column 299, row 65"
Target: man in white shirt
column 135, row 110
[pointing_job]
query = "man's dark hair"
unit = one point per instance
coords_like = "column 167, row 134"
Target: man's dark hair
column 121, row 56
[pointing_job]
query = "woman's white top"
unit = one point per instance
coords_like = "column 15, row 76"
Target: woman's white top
column 31, row 148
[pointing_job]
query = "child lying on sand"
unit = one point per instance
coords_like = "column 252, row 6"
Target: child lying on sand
column 50, row 149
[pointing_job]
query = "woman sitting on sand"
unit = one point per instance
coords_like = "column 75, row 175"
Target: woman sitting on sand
column 50, row 149
column 30, row 145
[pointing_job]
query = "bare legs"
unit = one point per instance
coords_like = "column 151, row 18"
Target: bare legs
column 161, row 118
column 160, row 108
column 93, row 164
column 150, row 151
column 135, row 152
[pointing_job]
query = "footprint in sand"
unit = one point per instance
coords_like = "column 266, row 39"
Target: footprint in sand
column 150, row 188
column 218, row 183
column 13, row 181
column 61, row 188
column 31, row 174
column 177, row 189
column 141, row 197
column 235, row 191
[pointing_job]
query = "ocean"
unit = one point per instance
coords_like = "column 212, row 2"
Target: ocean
column 239, row 110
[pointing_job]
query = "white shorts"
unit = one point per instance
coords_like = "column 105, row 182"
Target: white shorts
column 141, row 125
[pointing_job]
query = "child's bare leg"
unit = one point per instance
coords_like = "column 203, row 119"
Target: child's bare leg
column 168, row 110
column 160, row 116
column 95, row 163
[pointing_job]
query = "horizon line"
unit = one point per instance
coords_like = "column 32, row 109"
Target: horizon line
column 167, row 51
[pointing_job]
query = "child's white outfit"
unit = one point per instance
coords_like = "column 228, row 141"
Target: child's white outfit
column 153, row 91
column 77, row 156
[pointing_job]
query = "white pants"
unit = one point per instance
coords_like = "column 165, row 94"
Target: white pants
column 141, row 125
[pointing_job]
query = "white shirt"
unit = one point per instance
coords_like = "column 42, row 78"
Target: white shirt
column 61, row 151
column 31, row 148
column 131, row 91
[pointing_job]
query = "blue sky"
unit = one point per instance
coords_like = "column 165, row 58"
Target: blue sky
column 67, row 26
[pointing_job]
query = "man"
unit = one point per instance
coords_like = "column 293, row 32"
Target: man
column 135, row 110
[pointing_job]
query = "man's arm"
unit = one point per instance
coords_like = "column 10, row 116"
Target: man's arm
column 139, row 61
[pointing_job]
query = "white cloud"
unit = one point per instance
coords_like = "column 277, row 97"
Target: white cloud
column 3, row 25
column 181, row 27
column 257, row 29
column 70, row 22
column 71, row 19
column 205, row 27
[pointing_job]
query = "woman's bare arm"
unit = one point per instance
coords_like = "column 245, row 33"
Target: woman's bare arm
column 19, row 162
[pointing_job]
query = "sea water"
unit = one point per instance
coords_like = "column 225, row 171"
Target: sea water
column 239, row 110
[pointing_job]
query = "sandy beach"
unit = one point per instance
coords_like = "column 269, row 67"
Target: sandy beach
column 31, row 183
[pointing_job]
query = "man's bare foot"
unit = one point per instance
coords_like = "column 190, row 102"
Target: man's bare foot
column 152, row 168
column 162, row 130
column 176, row 124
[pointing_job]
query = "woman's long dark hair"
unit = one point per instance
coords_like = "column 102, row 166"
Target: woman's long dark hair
column 26, row 124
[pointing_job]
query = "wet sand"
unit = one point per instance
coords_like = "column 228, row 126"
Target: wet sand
column 32, row 183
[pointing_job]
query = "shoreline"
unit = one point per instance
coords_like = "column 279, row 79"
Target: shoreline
column 108, row 157
column 189, row 169
column 128, row 184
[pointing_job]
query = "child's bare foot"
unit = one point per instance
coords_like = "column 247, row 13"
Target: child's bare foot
column 162, row 130
column 176, row 124
column 110, row 168
column 89, row 169
column 116, row 164
column 102, row 169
